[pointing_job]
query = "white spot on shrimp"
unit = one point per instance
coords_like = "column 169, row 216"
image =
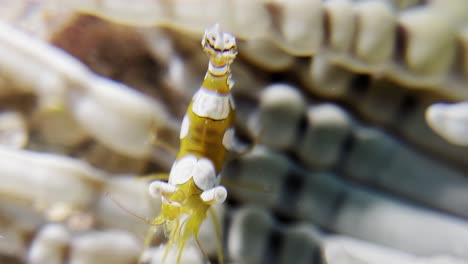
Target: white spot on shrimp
column 231, row 143
column 184, row 128
column 202, row 170
column 181, row 170
column 228, row 139
column 204, row 174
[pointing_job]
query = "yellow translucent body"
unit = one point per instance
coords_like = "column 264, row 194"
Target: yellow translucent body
column 205, row 137
column 183, row 210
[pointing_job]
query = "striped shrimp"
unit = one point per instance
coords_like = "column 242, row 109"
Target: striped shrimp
column 206, row 135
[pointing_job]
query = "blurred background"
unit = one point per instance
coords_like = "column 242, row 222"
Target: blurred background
column 355, row 108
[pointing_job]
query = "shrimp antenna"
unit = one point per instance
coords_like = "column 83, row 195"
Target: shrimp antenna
column 146, row 220
column 205, row 256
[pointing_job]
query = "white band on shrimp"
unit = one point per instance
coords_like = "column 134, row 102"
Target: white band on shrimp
column 157, row 188
column 216, row 195
column 218, row 71
column 209, row 104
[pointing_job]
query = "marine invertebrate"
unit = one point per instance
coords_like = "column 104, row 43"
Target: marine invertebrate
column 206, row 134
column 450, row 121
column 337, row 166
column 382, row 38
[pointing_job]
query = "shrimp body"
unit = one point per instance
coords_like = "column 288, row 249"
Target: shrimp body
column 206, row 135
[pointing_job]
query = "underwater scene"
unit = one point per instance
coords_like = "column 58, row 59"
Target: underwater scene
column 234, row 131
